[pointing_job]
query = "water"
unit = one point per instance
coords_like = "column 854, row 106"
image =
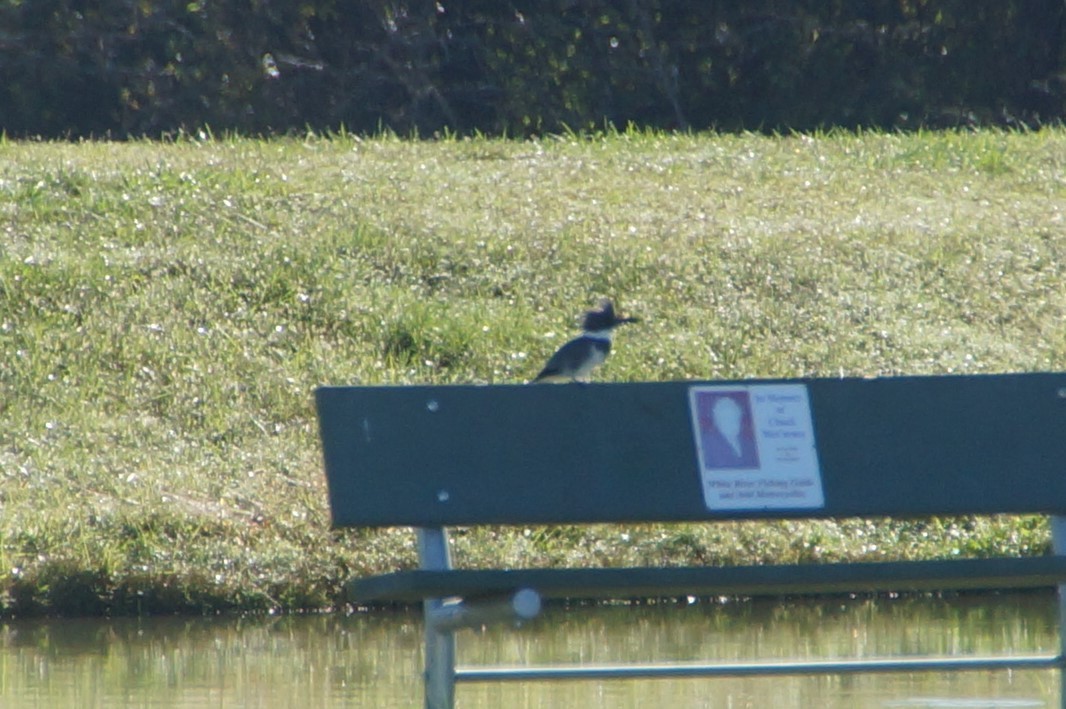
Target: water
column 375, row 660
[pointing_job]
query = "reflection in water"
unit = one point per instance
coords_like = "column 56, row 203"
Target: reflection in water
column 320, row 661
column 374, row 659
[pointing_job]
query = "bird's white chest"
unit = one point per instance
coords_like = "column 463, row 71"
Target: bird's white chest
column 600, row 341
column 595, row 358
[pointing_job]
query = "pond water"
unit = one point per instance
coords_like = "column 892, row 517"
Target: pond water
column 374, row 659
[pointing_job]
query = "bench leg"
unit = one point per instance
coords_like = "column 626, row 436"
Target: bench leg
column 1058, row 546
column 439, row 673
column 440, row 663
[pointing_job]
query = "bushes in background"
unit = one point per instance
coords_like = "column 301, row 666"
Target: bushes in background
column 152, row 67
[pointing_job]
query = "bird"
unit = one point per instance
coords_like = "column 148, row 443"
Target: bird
column 576, row 359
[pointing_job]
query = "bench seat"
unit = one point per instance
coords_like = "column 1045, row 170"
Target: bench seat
column 678, row 582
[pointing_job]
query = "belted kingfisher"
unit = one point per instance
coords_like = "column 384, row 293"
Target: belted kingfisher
column 577, row 358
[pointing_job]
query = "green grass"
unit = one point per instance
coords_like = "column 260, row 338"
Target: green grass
column 166, row 311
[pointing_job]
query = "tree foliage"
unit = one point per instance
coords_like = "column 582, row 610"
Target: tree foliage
column 151, row 67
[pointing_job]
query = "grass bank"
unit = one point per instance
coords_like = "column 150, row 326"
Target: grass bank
column 166, row 311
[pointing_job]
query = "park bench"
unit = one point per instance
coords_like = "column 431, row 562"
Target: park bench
column 433, row 457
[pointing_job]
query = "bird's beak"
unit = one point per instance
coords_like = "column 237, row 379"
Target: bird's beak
column 623, row 321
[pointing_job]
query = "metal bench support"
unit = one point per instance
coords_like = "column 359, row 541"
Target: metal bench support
column 443, row 616
column 1058, row 546
column 439, row 670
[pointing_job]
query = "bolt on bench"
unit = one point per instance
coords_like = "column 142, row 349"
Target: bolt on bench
column 431, row 457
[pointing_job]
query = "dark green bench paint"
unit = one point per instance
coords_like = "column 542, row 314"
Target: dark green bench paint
column 773, row 580
column 463, row 455
column 909, row 446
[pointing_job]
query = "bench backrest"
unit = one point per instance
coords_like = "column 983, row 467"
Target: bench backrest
column 459, row 455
